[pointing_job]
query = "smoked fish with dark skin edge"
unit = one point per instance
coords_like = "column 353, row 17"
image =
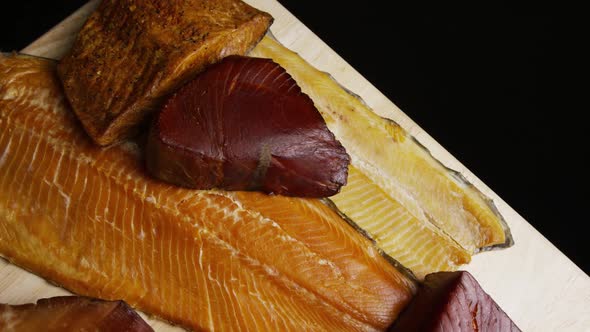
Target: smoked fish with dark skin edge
column 71, row 313
column 425, row 215
column 132, row 53
column 244, row 124
column 453, row 301
column 93, row 221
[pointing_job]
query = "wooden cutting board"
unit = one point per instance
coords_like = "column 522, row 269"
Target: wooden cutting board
column 538, row 286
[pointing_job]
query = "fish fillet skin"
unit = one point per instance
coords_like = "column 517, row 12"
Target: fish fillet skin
column 132, row 53
column 393, row 160
column 71, row 313
column 91, row 220
column 420, row 247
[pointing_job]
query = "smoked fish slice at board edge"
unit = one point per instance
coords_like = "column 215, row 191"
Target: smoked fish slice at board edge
column 71, row 313
column 395, row 162
column 91, row 220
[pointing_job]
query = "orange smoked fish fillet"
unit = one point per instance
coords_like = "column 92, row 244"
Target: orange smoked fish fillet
column 91, row 220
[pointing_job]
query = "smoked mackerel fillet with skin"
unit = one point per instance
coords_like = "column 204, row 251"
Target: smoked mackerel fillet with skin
column 425, row 215
column 91, row 220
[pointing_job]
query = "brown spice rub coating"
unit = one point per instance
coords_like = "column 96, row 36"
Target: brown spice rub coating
column 131, row 53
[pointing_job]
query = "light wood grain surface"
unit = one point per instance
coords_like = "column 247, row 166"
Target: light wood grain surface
column 539, row 287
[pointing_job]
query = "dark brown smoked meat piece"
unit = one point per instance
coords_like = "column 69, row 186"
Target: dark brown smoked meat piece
column 244, row 124
column 71, row 313
column 131, row 54
column 453, row 301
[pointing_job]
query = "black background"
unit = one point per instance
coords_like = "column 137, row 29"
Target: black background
column 494, row 84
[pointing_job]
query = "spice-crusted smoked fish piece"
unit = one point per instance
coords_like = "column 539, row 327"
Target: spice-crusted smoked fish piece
column 130, row 53
column 394, row 161
column 71, row 313
column 92, row 220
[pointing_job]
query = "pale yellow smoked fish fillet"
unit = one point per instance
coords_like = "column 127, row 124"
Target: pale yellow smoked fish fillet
column 392, row 159
column 419, row 246
column 405, row 173
column 90, row 220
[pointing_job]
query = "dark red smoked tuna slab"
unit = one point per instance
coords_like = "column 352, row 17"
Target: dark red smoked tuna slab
column 71, row 313
column 453, row 301
column 244, row 124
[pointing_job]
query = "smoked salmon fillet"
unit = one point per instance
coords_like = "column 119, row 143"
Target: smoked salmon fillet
column 91, row 220
column 444, row 218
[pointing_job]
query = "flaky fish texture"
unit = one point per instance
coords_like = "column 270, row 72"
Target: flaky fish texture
column 91, row 220
column 419, row 246
column 71, row 313
column 425, row 215
column 131, row 53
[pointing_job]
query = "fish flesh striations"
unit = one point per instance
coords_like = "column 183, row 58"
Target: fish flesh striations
column 91, row 220
column 418, row 191
column 131, row 53
column 393, row 160
column 421, row 247
column 244, row 124
column 71, row 313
